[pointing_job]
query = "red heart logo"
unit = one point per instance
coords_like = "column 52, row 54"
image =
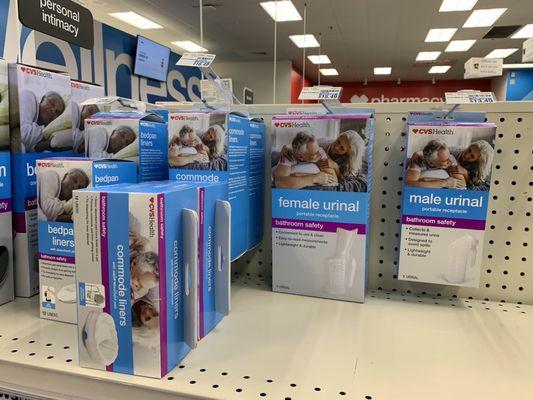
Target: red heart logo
column 415, row 130
column 276, row 124
column 23, row 69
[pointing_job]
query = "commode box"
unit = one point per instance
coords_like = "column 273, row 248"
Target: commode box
column 57, row 178
column 321, row 178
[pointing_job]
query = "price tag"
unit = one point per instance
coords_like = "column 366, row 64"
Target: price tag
column 468, row 97
column 200, row 60
column 320, row 93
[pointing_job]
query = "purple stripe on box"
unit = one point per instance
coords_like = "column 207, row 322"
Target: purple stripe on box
column 54, row 258
column 6, row 205
column 30, row 203
column 104, row 262
column 201, row 261
column 303, row 225
column 355, row 115
column 161, row 251
column 456, row 223
column 19, row 222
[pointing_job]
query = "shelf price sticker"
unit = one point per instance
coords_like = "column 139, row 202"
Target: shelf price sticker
column 469, row 97
column 320, row 93
column 200, row 60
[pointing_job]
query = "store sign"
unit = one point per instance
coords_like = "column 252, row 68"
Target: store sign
column 477, row 67
column 62, row 19
column 200, row 60
column 467, row 97
column 248, row 96
column 320, row 93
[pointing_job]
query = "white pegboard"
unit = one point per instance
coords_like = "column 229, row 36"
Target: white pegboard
column 506, row 270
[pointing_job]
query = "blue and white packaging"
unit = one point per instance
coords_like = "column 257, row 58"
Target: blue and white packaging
column 321, row 178
column 56, row 180
column 137, row 284
column 446, row 191
column 212, row 148
column 81, row 91
column 257, row 182
column 4, row 106
column 6, row 235
column 41, row 126
column 136, row 136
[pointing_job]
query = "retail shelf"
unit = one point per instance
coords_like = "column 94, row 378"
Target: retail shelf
column 276, row 346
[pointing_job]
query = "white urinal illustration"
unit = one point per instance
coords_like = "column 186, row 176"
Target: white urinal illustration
column 67, row 294
column 100, row 337
column 341, row 266
column 462, row 254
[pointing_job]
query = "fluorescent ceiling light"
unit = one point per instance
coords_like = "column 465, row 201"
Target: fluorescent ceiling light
column 304, row 41
column 189, row 46
column 524, row 33
column 136, row 20
column 500, row 53
column 484, row 18
column 440, row 35
column 518, row 66
column 322, row 59
column 281, row 11
column 328, row 71
column 457, row 5
column 382, row 70
column 439, row 69
column 460, row 45
column 427, row 55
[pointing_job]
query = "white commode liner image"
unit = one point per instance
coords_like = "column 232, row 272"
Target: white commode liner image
column 462, row 254
column 341, row 266
column 67, row 294
column 100, row 337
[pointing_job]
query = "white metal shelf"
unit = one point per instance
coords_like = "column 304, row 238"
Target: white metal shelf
column 395, row 346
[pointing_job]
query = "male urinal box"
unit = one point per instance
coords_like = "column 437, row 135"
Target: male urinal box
column 56, row 180
column 214, row 147
column 447, row 177
column 137, row 276
column 4, row 106
column 82, row 91
column 257, row 182
column 136, row 136
column 321, row 176
column 41, row 126
column 6, row 234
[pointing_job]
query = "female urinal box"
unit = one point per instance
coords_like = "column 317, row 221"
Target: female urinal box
column 446, row 187
column 220, row 153
column 56, row 180
column 321, row 179
column 81, row 91
column 41, row 126
column 257, row 182
column 6, row 235
column 136, row 247
column 135, row 136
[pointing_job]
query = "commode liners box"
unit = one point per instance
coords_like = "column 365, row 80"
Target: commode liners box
column 56, row 180
column 41, row 126
column 82, row 91
column 445, row 200
column 257, row 183
column 214, row 147
column 137, row 283
column 141, row 137
column 6, row 233
column 321, row 175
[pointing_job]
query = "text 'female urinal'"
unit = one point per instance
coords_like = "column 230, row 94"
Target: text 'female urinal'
column 341, row 266
column 462, row 254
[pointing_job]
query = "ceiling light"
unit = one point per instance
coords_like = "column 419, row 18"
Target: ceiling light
column 439, row 69
column 304, row 41
column 484, row 18
column 189, row 46
column 518, row 66
column 281, row 11
column 322, row 59
column 500, row 53
column 459, row 45
column 440, row 35
column 136, row 20
column 427, row 55
column 328, row 71
column 524, row 33
column 457, row 5
column 382, row 70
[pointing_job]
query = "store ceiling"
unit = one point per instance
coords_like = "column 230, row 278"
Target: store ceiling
column 356, row 35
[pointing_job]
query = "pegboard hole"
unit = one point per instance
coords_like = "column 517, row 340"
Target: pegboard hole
column 238, row 390
column 215, row 386
column 192, row 382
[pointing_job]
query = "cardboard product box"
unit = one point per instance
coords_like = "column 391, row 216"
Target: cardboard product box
column 7, row 291
column 257, row 183
column 82, row 91
column 4, row 106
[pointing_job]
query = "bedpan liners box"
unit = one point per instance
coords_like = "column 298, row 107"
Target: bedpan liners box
column 321, row 184
column 6, row 233
column 82, row 91
column 136, row 276
column 446, row 191
column 216, row 149
column 56, row 180
column 41, row 126
column 136, row 136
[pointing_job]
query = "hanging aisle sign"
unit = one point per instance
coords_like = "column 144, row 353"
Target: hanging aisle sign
column 62, row 19
column 320, row 93
column 466, row 97
column 200, row 60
